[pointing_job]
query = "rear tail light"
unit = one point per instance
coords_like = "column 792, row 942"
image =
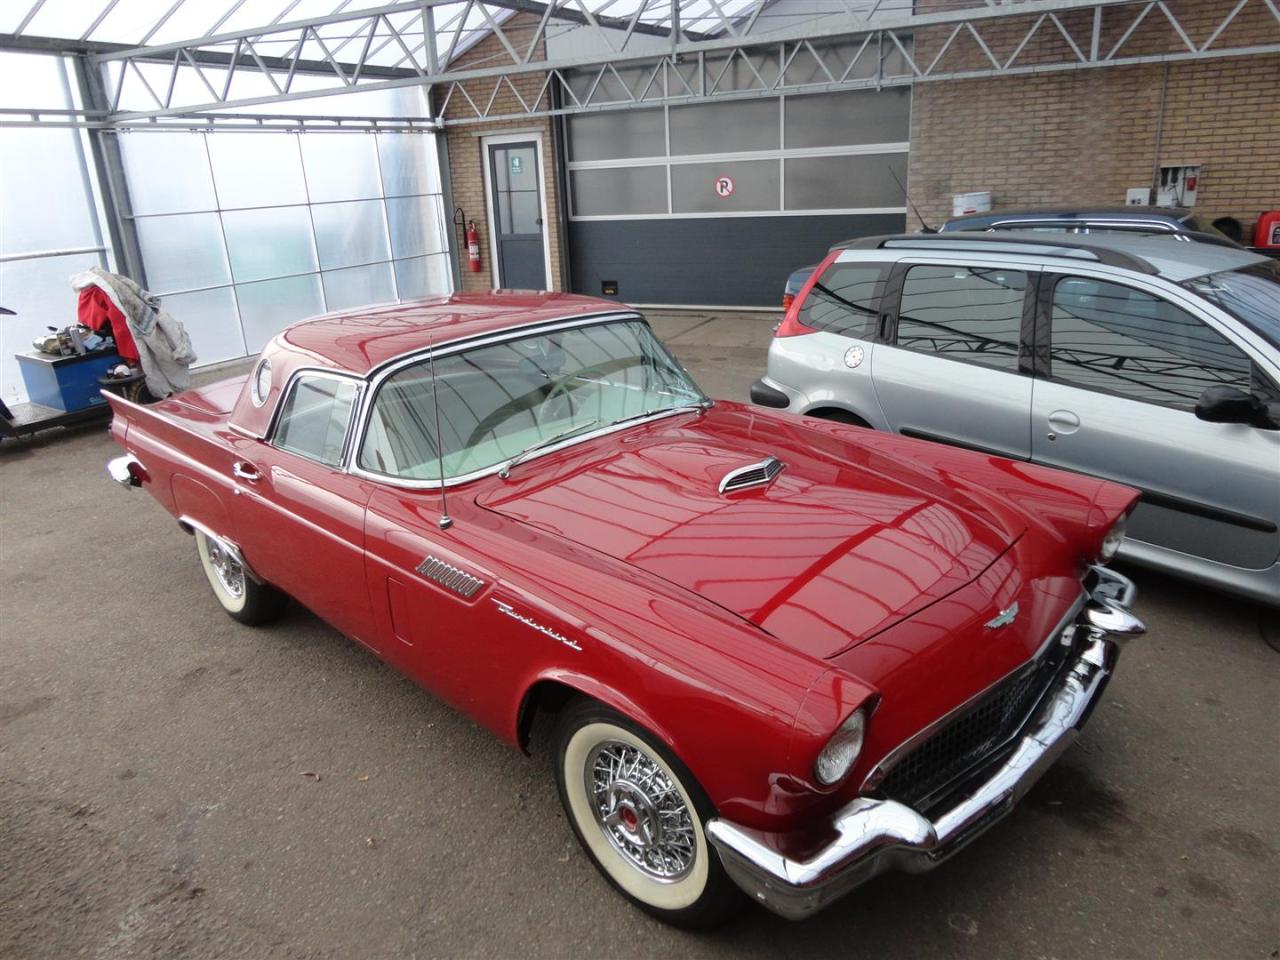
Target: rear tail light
column 787, row 300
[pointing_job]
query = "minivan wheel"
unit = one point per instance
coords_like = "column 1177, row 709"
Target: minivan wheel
column 638, row 813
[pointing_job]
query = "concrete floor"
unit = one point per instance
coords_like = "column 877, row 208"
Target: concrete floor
column 173, row 784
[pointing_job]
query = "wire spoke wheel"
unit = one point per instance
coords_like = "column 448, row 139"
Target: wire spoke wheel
column 641, row 811
column 229, row 573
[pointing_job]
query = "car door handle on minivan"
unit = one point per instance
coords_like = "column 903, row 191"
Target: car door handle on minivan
column 1062, row 421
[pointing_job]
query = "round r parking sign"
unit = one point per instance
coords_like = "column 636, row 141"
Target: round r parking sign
column 724, row 187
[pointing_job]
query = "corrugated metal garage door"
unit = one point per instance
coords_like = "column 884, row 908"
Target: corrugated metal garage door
column 715, row 203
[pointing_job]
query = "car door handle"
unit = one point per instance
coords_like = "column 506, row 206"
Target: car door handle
column 1062, row 421
column 247, row 472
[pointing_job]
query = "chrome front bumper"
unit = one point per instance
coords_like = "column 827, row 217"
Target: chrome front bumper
column 875, row 835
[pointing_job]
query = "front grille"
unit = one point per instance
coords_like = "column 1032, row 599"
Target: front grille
column 972, row 736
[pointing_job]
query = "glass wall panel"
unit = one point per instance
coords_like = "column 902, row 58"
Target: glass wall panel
column 269, row 243
column 694, row 187
column 213, row 322
column 850, row 117
column 736, row 125
column 409, row 164
column 416, row 226
column 356, row 286
column 340, row 167
column 842, row 183
column 268, row 307
column 423, row 276
column 610, row 135
column 44, row 203
column 257, row 169
column 183, row 252
column 628, row 190
column 168, row 173
column 348, row 234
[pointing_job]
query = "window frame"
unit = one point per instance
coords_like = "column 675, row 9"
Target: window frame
column 891, row 307
column 1044, row 333
column 286, row 394
column 880, row 298
column 380, row 374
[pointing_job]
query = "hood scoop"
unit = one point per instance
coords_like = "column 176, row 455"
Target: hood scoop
column 752, row 475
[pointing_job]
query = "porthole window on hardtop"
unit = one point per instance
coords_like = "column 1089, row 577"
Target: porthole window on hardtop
column 845, row 300
column 972, row 314
column 1115, row 339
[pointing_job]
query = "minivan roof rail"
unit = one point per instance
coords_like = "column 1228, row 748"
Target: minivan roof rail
column 959, row 240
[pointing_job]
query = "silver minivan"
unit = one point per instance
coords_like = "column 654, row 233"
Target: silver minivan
column 1136, row 358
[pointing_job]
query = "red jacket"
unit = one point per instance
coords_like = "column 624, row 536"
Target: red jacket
column 97, row 311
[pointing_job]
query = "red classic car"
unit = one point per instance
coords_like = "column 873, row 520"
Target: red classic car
column 785, row 654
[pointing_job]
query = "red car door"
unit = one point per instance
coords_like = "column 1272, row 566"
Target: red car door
column 299, row 518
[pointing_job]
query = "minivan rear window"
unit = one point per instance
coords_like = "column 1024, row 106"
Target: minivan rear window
column 845, row 300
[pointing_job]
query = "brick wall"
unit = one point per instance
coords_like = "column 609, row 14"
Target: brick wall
column 466, row 154
column 1085, row 136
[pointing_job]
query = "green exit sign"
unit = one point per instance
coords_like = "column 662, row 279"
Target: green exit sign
column 517, row 166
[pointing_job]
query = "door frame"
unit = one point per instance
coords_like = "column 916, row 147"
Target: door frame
column 490, row 213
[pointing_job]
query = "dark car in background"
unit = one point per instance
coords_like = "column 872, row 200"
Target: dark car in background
column 1176, row 221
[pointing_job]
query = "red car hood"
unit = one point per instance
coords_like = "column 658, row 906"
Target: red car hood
column 832, row 552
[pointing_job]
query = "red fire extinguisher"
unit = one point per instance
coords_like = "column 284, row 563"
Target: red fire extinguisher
column 473, row 247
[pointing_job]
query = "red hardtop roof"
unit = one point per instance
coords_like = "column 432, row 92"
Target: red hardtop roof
column 359, row 340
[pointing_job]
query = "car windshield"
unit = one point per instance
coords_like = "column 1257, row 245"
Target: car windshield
column 496, row 402
column 1251, row 293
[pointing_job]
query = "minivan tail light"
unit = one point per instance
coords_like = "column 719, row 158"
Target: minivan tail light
column 787, row 300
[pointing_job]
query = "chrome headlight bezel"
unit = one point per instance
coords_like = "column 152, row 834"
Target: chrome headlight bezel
column 1111, row 542
column 841, row 751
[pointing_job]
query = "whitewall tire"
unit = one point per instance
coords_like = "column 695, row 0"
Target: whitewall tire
column 639, row 815
column 241, row 596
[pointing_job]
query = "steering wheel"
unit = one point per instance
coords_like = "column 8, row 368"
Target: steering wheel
column 563, row 389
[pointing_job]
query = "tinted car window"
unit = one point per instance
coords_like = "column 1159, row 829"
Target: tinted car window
column 844, row 300
column 314, row 420
column 972, row 314
column 1113, row 338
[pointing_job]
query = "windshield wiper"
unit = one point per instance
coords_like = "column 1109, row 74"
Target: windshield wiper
column 505, row 470
column 680, row 408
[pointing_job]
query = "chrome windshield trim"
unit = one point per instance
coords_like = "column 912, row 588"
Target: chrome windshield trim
column 605, row 430
column 369, row 395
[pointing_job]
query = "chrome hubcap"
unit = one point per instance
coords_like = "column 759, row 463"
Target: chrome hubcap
column 640, row 810
column 229, row 573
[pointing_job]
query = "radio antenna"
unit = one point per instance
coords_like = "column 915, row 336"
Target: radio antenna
column 924, row 227
column 446, row 521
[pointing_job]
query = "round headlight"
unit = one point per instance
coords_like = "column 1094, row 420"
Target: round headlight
column 1111, row 542
column 840, row 753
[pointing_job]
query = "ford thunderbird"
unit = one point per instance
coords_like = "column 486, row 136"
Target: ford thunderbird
column 781, row 656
